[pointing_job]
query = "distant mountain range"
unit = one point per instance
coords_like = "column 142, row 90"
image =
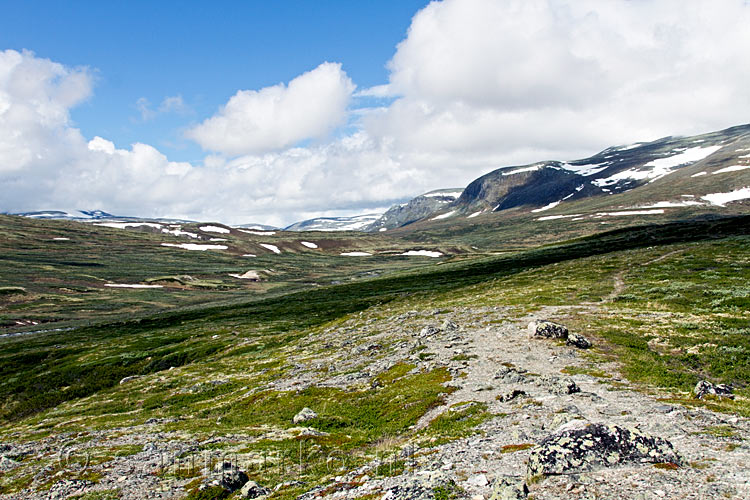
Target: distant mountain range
column 706, row 169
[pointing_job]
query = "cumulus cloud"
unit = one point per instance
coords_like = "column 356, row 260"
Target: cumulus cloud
column 475, row 85
column 566, row 76
column 272, row 118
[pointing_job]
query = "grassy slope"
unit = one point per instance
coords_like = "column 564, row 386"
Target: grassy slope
column 97, row 357
column 61, row 282
column 684, row 286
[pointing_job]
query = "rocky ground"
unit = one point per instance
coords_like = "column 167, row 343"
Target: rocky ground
column 646, row 448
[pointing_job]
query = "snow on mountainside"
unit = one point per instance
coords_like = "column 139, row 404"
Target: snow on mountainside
column 415, row 209
column 652, row 167
column 355, row 223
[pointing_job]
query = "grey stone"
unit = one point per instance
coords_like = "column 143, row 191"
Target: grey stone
column 704, row 387
column 578, row 340
column 129, row 379
column 510, row 396
column 578, row 446
column 509, row 488
column 429, row 331
column 228, row 476
column 547, row 329
column 558, row 385
column 251, row 489
column 304, row 415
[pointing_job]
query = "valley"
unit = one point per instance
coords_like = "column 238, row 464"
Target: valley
column 156, row 358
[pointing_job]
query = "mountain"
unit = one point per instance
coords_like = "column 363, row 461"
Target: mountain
column 63, row 215
column 355, row 223
column 619, row 169
column 417, row 208
column 257, row 227
column 93, row 215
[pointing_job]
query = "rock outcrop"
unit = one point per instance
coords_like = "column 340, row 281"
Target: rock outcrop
column 580, row 447
column 547, row 329
column 305, row 415
column 704, row 388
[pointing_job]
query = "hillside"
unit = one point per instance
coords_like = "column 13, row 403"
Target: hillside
column 423, row 382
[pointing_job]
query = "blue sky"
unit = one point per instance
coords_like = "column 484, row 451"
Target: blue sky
column 201, row 51
column 277, row 111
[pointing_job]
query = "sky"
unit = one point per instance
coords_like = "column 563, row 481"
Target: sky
column 274, row 112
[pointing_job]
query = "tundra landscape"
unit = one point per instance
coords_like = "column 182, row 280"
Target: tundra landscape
column 510, row 262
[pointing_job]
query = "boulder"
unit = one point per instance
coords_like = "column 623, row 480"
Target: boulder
column 129, row 379
column 704, row 387
column 547, row 329
column 228, row 476
column 449, row 326
column 581, row 446
column 421, row 486
column 304, row 415
column 578, row 340
column 510, row 375
column 429, row 331
column 510, row 396
column 509, row 488
column 558, row 385
column 251, row 489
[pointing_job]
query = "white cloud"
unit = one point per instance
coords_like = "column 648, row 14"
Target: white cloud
column 565, row 77
column 170, row 104
column 272, row 118
column 475, row 85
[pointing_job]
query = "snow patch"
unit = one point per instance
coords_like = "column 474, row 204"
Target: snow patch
column 423, row 253
column 270, row 247
column 214, row 229
column 309, row 244
column 217, row 239
column 631, row 212
column 553, row 217
column 179, row 232
column 61, row 239
column 195, row 246
column 588, row 169
column 474, row 214
column 258, row 233
column 123, row 225
column 547, row 207
column 721, row 199
column 699, row 174
column 660, row 167
column 733, row 168
column 382, row 229
column 249, row 275
column 123, row 285
column 524, row 169
column 249, row 255
column 450, row 194
column 356, row 254
column 444, row 216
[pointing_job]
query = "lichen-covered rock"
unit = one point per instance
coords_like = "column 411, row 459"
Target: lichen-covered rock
column 228, row 477
column 449, row 326
column 704, row 387
column 583, row 447
column 578, row 340
column 510, row 375
column 429, row 331
column 304, row 415
column 7, row 464
column 558, row 385
column 509, row 488
column 427, row 486
column 251, row 489
column 547, row 329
